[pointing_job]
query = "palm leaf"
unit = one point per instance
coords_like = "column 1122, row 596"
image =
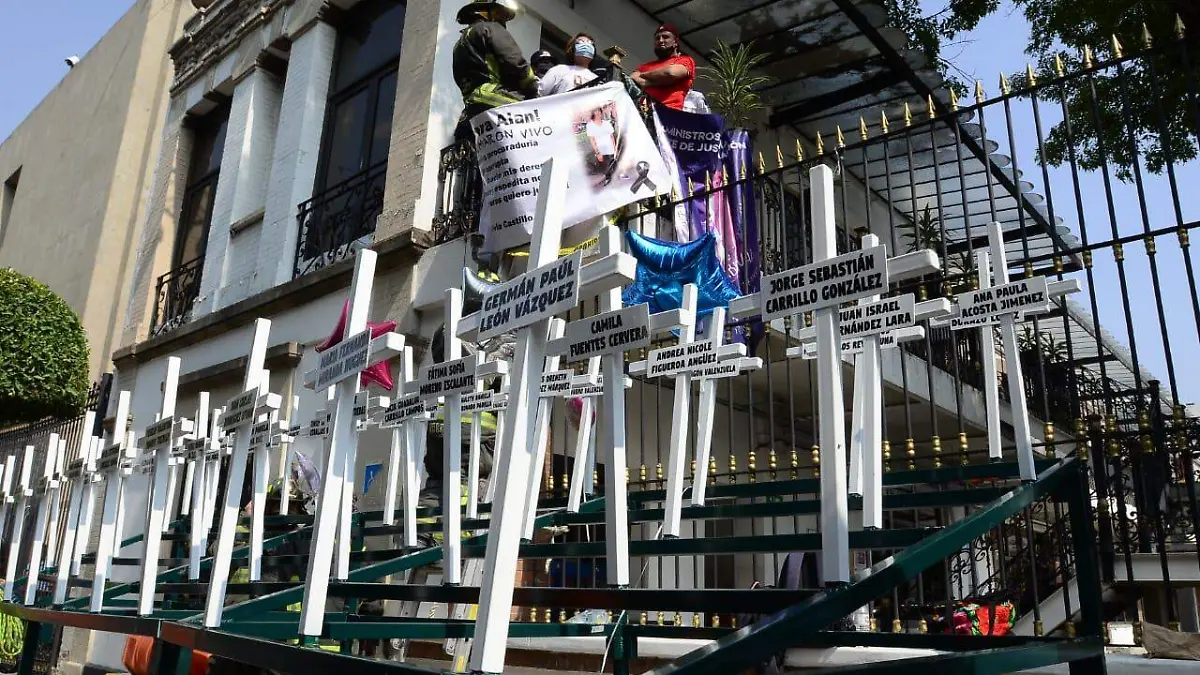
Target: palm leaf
column 735, row 94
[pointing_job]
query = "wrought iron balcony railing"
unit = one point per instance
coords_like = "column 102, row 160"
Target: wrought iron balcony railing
column 175, row 296
column 460, row 193
column 332, row 221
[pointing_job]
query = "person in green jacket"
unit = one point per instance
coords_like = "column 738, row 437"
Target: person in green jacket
column 488, row 65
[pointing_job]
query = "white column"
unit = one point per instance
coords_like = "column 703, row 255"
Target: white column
column 242, row 187
column 297, row 146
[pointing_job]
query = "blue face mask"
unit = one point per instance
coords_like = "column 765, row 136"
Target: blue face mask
column 585, row 49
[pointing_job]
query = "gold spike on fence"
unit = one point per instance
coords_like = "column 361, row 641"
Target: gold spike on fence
column 732, row 468
column 762, row 164
column 799, row 151
column 979, row 95
column 841, row 138
column 887, row 456
column 779, row 156
column 1059, row 69
column 1117, row 50
column 1179, row 29
column 862, row 127
column 1147, row 39
column 820, row 145
column 953, row 99
column 908, row 118
column 1030, row 76
column 816, row 459
column 884, row 125
column 1088, row 61
column 931, row 108
column 1004, row 86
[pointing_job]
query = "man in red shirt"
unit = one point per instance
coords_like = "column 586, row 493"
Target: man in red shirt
column 670, row 78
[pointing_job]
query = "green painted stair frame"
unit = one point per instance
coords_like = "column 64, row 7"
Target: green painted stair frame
column 252, row 628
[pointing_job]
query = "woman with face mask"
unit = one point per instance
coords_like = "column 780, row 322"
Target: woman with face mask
column 576, row 72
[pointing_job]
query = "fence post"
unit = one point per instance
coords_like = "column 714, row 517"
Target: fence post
column 1087, row 572
column 29, row 648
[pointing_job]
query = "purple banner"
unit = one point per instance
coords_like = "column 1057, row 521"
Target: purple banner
column 697, row 141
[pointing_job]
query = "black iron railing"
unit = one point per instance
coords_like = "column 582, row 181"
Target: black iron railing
column 460, row 193
column 175, row 296
column 332, row 221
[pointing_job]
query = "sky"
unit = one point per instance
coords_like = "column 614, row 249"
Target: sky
column 998, row 44
column 35, row 38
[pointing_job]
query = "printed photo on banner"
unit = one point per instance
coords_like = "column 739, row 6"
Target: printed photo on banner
column 610, row 157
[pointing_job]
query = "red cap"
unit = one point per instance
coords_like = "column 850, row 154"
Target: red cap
column 669, row 28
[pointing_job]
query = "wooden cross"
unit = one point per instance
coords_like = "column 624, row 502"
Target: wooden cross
column 554, row 383
column 403, row 476
column 861, row 328
column 241, row 412
column 687, row 361
column 342, row 367
column 203, row 459
column 158, row 442
column 831, row 280
column 114, row 464
column 526, row 305
column 23, row 493
column 43, row 493
column 1002, row 301
column 267, row 434
column 79, row 476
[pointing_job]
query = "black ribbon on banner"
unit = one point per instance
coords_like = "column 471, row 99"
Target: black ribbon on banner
column 643, row 169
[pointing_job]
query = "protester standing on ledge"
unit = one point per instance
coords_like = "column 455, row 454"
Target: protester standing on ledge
column 670, row 78
column 488, row 65
column 541, row 62
column 576, row 72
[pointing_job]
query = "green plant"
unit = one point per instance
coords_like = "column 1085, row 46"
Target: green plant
column 735, row 93
column 43, row 352
column 925, row 232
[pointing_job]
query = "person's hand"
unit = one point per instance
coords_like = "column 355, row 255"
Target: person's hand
column 599, row 157
column 638, row 79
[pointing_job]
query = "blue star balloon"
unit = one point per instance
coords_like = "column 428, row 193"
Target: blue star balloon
column 664, row 268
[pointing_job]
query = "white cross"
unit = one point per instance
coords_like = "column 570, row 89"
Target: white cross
column 43, row 493
column 289, row 453
column 341, row 366
column 199, row 447
column 158, row 442
column 6, row 498
column 1000, row 300
column 861, row 328
column 79, row 475
column 267, row 433
column 401, row 417
column 114, row 464
column 587, row 388
column 84, row 531
column 541, row 430
column 602, row 277
column 482, row 401
column 687, row 361
column 822, row 286
column 240, row 413
column 53, row 516
column 23, row 493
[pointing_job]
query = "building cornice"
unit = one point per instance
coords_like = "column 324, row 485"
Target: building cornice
column 215, row 31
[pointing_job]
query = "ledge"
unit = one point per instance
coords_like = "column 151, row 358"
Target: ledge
column 280, row 357
column 248, row 222
column 295, row 293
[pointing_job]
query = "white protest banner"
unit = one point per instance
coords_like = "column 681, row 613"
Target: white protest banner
column 595, row 134
column 533, row 296
column 828, row 283
column 623, row 330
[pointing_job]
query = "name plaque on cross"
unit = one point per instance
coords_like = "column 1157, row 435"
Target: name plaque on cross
column 880, row 316
column 622, row 330
column 239, row 410
column 158, row 435
column 685, row 358
column 447, row 379
column 538, row 294
column 981, row 307
column 482, row 401
column 828, row 283
column 346, row 360
column 555, row 383
column 402, row 410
